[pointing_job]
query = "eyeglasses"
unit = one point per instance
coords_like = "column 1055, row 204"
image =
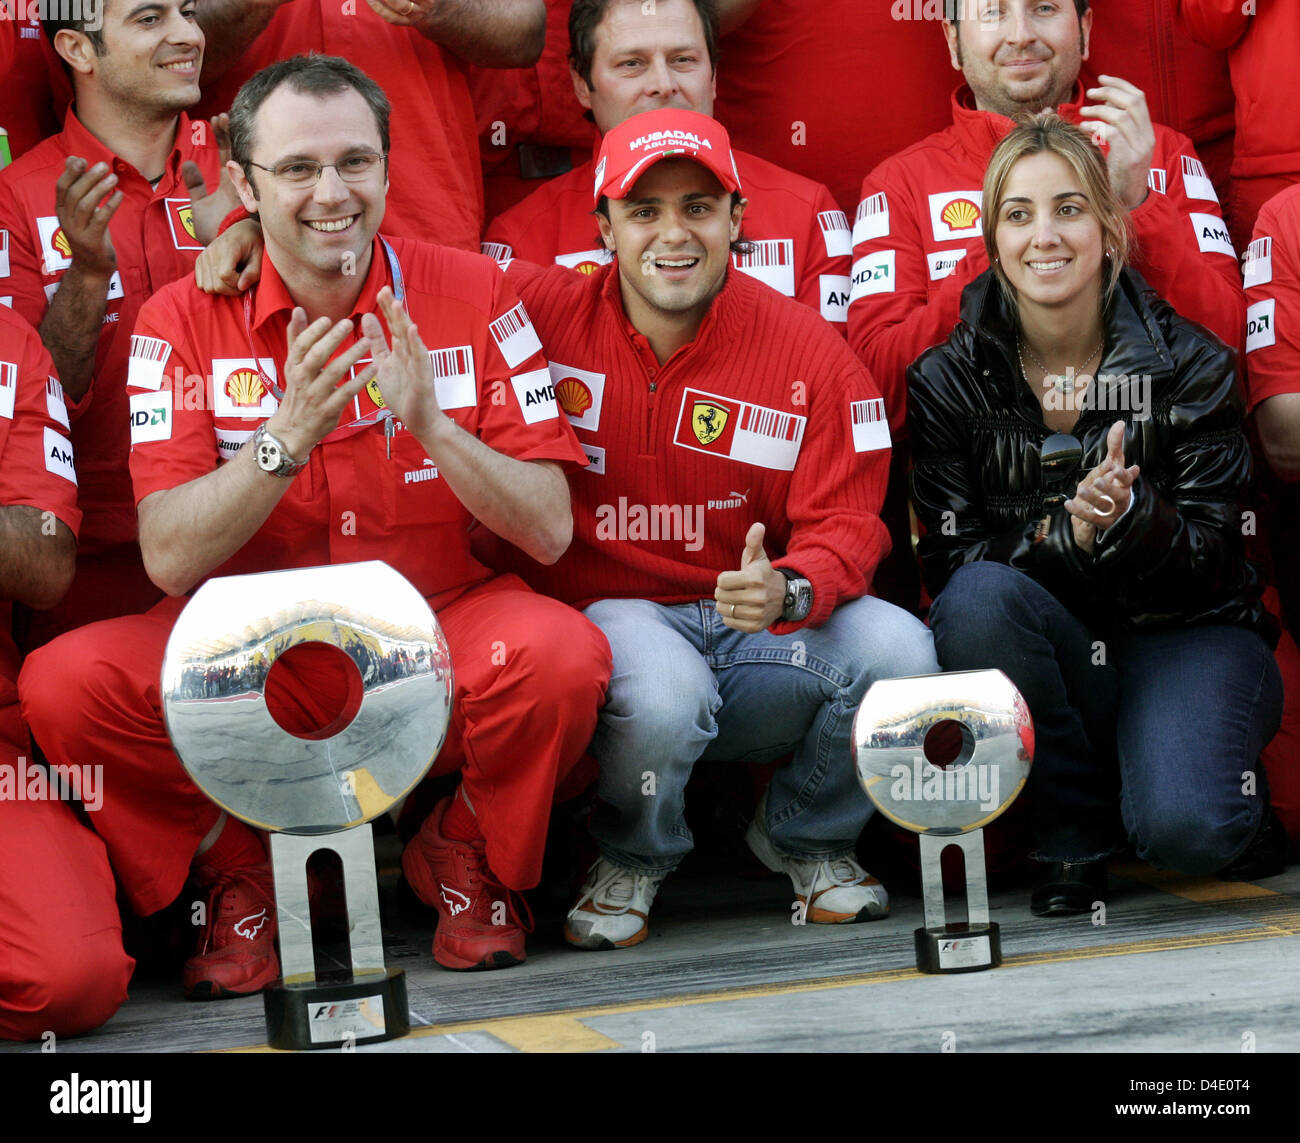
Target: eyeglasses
column 354, row 168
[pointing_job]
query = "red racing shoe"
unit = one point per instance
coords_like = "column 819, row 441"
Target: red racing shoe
column 478, row 926
column 236, row 955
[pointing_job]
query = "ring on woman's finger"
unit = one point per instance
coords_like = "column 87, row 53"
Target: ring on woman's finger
column 1103, row 496
column 733, row 612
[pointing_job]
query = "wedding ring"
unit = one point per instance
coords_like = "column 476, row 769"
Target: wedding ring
column 733, row 612
column 1103, row 496
column 410, row 7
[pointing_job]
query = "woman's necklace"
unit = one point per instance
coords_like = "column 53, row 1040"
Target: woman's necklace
column 1066, row 384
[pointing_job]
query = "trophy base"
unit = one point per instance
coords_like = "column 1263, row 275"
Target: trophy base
column 958, row 948
column 337, row 1013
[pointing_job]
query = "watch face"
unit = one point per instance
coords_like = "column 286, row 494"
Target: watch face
column 268, row 455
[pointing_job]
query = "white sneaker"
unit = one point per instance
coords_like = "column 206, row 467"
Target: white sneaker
column 833, row 891
column 612, row 908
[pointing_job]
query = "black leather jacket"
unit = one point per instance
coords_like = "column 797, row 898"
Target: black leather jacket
column 1177, row 557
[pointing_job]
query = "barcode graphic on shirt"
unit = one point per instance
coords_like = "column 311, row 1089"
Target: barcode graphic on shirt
column 55, row 405
column 1196, row 182
column 872, row 220
column 1156, row 180
column 498, row 251
column 148, row 357
column 1257, row 267
column 835, row 233
column 452, row 362
column 767, row 253
column 770, row 261
column 870, row 425
column 515, row 337
column 770, row 423
column 453, row 376
column 8, row 388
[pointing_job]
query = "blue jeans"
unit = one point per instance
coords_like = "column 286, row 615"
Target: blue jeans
column 1151, row 734
column 685, row 686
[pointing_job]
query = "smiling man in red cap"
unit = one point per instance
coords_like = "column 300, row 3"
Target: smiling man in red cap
column 726, row 531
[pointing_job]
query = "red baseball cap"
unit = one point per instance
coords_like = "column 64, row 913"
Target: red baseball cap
column 636, row 144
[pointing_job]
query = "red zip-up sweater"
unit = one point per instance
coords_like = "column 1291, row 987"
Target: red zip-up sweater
column 766, row 417
column 917, row 243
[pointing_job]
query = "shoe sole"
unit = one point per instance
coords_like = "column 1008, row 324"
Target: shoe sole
column 604, row 944
column 818, row 916
column 498, row 959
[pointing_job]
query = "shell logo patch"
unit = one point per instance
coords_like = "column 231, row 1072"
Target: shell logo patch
column 961, row 214
column 956, row 216
column 574, row 396
column 709, row 421
column 244, row 388
column 61, row 243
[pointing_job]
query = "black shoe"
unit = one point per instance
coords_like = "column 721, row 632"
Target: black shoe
column 1264, row 857
column 1069, row 887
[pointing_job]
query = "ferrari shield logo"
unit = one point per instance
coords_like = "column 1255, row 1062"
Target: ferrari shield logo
column 186, row 215
column 372, row 388
column 708, row 420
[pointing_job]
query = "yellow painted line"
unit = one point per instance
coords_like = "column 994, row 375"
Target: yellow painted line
column 546, row 1033
column 562, row 1031
column 1204, row 889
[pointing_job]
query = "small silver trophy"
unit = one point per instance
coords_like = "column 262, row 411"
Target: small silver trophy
column 313, row 793
column 946, row 805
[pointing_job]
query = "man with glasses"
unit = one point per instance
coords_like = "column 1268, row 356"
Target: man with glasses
column 323, row 438
column 92, row 221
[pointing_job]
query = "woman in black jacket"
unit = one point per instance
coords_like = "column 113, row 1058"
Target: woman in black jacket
column 1079, row 463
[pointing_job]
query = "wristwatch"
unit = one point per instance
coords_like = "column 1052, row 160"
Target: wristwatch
column 272, row 456
column 798, row 596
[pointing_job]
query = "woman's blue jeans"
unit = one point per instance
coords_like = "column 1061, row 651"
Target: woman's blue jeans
column 1156, row 735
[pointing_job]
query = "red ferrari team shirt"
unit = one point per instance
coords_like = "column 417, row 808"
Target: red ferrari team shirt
column 436, row 188
column 196, row 397
column 1272, row 274
column 36, row 470
column 800, row 238
column 530, row 127
column 34, row 87
column 1185, row 83
column 917, row 243
column 153, row 237
column 766, row 416
column 831, row 89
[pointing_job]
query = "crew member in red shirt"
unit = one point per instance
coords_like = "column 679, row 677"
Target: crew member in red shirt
column 63, row 968
column 627, row 58
column 1272, row 277
column 726, row 530
column 830, row 89
column 283, row 464
column 917, row 230
column 98, row 217
column 1261, row 42
column 417, row 50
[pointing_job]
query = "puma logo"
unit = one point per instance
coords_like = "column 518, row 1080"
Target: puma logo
column 245, row 926
column 456, row 901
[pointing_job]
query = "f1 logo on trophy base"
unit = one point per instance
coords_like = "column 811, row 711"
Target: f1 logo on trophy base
column 946, row 805
column 319, row 792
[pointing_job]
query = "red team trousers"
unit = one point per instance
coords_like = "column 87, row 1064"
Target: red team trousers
column 530, row 677
column 62, row 967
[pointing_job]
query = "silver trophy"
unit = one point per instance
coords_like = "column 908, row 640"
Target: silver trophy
column 946, row 805
column 313, row 793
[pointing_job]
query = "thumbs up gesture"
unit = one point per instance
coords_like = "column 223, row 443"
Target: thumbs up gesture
column 752, row 598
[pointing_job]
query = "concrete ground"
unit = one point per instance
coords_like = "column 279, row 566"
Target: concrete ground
column 1178, row 966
